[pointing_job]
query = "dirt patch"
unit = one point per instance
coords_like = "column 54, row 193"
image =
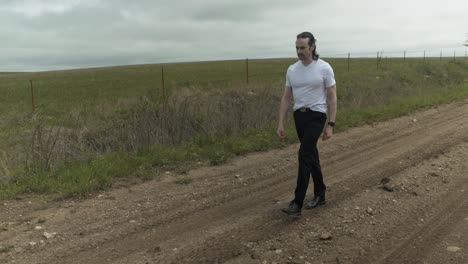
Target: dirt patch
column 230, row 213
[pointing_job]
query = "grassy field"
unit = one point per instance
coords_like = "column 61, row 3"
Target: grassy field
column 93, row 126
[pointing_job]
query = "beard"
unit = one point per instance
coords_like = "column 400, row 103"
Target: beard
column 301, row 56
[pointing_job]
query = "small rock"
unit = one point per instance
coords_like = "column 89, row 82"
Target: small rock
column 415, row 120
column 32, row 244
column 157, row 249
column 278, row 251
column 38, row 228
column 132, row 221
column 370, row 211
column 466, row 219
column 453, row 249
column 41, row 220
column 385, row 180
column 19, row 250
column 50, row 235
column 326, row 236
column 388, row 187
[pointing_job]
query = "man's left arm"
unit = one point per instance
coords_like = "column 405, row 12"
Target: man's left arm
column 332, row 105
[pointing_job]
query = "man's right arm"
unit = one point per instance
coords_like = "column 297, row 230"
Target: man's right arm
column 284, row 107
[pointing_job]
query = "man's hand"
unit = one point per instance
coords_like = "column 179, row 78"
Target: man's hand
column 327, row 133
column 285, row 100
column 280, row 132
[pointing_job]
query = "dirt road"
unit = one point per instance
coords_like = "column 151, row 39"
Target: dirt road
column 231, row 213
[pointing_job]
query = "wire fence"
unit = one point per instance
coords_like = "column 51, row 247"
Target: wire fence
column 243, row 71
column 453, row 51
column 445, row 53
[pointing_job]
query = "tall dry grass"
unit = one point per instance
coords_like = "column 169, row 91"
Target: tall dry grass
column 140, row 122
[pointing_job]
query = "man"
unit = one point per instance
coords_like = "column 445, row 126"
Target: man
column 312, row 83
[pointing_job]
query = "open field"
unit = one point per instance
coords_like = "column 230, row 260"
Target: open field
column 92, row 126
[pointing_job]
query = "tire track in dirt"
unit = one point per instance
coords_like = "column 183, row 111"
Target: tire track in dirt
column 415, row 248
column 214, row 247
column 415, row 245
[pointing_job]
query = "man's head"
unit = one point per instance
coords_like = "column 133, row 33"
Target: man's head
column 305, row 46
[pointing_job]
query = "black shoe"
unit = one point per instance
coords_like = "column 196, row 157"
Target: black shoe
column 293, row 209
column 318, row 200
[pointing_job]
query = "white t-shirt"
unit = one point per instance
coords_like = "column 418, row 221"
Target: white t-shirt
column 309, row 84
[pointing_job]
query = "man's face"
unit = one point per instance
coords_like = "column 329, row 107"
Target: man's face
column 304, row 52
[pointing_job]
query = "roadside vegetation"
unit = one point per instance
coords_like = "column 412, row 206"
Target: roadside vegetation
column 94, row 128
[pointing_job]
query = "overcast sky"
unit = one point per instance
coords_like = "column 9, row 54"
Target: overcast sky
column 39, row 35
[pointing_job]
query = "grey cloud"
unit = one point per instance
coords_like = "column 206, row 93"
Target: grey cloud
column 105, row 32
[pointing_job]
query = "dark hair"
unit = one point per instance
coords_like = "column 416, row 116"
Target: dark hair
column 312, row 40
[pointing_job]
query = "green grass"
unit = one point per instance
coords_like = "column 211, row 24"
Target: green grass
column 116, row 125
column 183, row 181
column 6, row 249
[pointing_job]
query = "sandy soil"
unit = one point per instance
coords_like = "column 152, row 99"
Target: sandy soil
column 231, row 213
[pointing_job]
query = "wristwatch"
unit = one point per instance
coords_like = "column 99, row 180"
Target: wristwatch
column 332, row 124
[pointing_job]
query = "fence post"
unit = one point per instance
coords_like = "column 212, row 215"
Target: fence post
column 247, row 70
column 404, row 55
column 162, row 81
column 441, row 55
column 377, row 59
column 424, row 55
column 32, row 96
column 454, row 55
column 349, row 57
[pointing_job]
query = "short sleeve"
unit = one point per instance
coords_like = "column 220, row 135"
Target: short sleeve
column 329, row 76
column 288, row 83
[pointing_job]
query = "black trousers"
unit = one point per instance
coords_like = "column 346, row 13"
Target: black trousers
column 309, row 127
